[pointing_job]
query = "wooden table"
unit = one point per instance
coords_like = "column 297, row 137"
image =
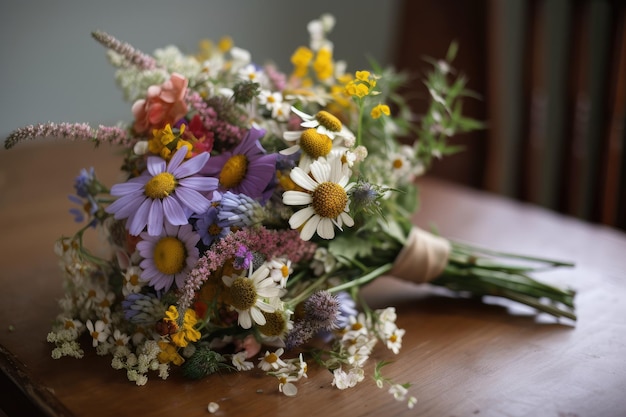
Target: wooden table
column 464, row 357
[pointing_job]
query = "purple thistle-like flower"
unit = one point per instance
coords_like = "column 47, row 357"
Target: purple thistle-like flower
column 143, row 308
column 132, row 55
column 163, row 193
column 239, row 210
column 320, row 313
column 72, row 131
column 247, row 169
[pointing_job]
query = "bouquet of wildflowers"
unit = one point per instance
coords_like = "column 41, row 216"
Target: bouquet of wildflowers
column 256, row 204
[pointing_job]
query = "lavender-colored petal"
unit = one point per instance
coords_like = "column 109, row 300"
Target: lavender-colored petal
column 173, row 211
column 133, row 185
column 144, row 247
column 138, row 220
column 199, row 183
column 155, row 165
column 155, row 218
column 125, row 206
column 191, row 166
column 179, row 279
column 176, row 160
column 193, row 200
column 214, row 165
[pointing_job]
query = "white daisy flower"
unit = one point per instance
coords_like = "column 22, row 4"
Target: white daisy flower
column 325, row 197
column 251, row 73
column 252, row 295
column 280, row 269
column 240, row 362
column 343, row 379
column 323, row 122
column 99, row 331
column 272, row 360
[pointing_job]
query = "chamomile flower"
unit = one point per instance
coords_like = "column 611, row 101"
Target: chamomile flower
column 343, row 379
column 280, row 269
column 272, row 360
column 251, row 73
column 239, row 361
column 250, row 296
column 99, row 331
column 323, row 122
column 168, row 257
column 325, row 197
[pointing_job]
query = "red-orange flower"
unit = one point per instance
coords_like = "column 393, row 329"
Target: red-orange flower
column 163, row 104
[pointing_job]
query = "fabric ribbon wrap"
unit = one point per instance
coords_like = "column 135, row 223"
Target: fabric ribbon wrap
column 423, row 257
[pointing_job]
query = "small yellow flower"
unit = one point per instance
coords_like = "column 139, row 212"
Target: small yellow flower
column 359, row 90
column 225, row 44
column 300, row 60
column 169, row 353
column 323, row 64
column 379, row 110
column 165, row 141
column 188, row 333
column 171, row 314
column 362, row 75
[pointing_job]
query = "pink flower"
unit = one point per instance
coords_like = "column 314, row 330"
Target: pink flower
column 163, row 104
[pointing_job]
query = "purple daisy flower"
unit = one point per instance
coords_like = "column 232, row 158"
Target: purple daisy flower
column 164, row 193
column 168, row 257
column 247, row 169
column 210, row 227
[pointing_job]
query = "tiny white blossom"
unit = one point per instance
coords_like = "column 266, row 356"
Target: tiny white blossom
column 239, row 361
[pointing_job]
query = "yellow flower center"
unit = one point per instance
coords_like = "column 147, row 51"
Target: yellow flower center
column 284, row 270
column 329, row 199
column 169, row 255
column 243, row 293
column 275, row 324
column 214, row 230
column 160, row 186
column 271, row 358
column 329, row 121
column 393, row 338
column 397, row 163
column 234, row 171
column 315, row 144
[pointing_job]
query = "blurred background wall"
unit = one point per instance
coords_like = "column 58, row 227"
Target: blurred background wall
column 52, row 70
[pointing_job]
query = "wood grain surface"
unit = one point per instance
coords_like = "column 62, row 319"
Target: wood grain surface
column 465, row 357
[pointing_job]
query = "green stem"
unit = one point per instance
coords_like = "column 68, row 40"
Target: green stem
column 469, row 250
column 362, row 280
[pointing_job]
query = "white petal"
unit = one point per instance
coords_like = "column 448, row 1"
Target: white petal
column 244, row 319
column 257, row 316
column 302, row 179
column 292, row 135
column 347, row 220
column 296, row 198
column 311, row 123
column 309, row 228
column 321, row 170
column 302, row 114
column 300, row 217
column 325, row 229
column 291, row 150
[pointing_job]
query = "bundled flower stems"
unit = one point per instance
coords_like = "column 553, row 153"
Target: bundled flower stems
column 255, row 205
